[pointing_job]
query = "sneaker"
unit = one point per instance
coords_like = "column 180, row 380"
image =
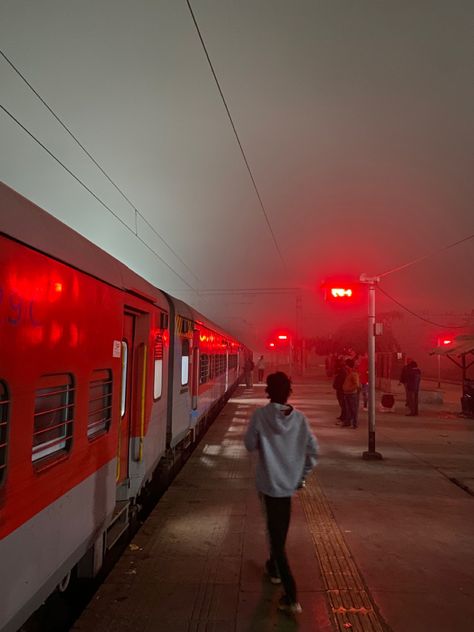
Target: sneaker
column 291, row 607
column 273, row 573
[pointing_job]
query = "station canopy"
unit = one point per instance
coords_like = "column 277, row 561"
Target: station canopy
column 461, row 345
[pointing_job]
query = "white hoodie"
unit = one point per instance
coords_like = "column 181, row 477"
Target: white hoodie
column 286, row 447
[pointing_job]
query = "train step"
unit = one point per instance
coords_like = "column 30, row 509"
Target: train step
column 119, row 523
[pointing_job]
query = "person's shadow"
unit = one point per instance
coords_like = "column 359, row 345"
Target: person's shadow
column 266, row 617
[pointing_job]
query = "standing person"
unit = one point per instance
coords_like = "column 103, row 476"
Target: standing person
column 404, row 378
column 260, row 368
column 363, row 369
column 351, row 388
column 287, row 451
column 248, row 371
column 337, row 384
column 413, row 387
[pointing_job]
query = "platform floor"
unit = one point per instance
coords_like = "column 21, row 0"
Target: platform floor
column 374, row 545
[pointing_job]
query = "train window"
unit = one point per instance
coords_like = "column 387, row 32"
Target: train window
column 100, row 403
column 211, row 369
column 233, row 361
column 123, row 395
column 221, row 364
column 185, row 362
column 158, row 367
column 203, row 368
column 3, row 430
column 53, row 417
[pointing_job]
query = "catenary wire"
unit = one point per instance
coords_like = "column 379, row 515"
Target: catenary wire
column 418, row 315
column 94, row 195
column 101, row 169
column 262, row 206
column 431, row 254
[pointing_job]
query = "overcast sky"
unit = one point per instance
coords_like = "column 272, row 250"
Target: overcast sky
column 305, row 139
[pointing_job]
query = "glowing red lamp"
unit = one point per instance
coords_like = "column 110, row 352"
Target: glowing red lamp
column 341, row 292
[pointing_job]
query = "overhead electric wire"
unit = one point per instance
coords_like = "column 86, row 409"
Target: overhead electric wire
column 431, row 254
column 418, row 315
column 262, row 206
column 94, row 195
column 101, row 169
column 252, row 290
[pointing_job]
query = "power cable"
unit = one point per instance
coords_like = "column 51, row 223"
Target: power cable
column 94, row 195
column 418, row 315
column 114, row 184
column 435, row 252
column 262, row 206
column 254, row 290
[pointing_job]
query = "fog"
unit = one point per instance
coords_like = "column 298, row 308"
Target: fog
column 236, row 154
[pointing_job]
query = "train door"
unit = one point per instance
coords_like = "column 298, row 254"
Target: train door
column 126, row 399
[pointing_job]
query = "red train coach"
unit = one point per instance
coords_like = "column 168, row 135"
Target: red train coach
column 101, row 376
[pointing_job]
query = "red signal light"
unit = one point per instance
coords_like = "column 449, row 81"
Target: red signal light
column 271, row 344
column 341, row 292
column 447, row 341
column 282, row 337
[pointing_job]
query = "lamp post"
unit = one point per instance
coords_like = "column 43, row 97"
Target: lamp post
column 371, row 453
column 439, row 363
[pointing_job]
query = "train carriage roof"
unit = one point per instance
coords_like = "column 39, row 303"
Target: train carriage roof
column 29, row 224
column 184, row 310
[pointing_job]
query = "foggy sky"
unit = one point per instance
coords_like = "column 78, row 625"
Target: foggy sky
column 355, row 120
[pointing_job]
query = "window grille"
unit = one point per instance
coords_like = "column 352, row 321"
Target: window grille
column 221, row 364
column 4, row 407
column 233, row 361
column 53, row 417
column 203, row 368
column 212, row 367
column 100, row 403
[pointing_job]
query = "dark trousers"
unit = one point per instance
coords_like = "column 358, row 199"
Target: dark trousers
column 278, row 514
column 352, row 408
column 260, row 375
column 342, row 404
column 412, row 398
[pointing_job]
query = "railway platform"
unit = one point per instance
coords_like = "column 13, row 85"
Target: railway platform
column 374, row 545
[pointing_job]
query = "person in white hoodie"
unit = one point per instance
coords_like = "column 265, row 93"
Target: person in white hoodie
column 287, row 452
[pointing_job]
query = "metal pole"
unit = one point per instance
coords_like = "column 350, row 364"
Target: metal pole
column 371, row 452
column 439, row 366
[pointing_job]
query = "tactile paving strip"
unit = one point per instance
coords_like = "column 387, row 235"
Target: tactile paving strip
column 350, row 604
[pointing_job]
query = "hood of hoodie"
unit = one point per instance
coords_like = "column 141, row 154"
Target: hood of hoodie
column 278, row 416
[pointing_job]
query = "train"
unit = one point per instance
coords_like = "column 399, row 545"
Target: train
column 103, row 378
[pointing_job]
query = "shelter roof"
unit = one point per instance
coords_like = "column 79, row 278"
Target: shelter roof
column 461, row 345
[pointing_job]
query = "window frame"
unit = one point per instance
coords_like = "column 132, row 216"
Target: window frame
column 203, row 368
column 54, row 384
column 158, row 353
column 107, row 421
